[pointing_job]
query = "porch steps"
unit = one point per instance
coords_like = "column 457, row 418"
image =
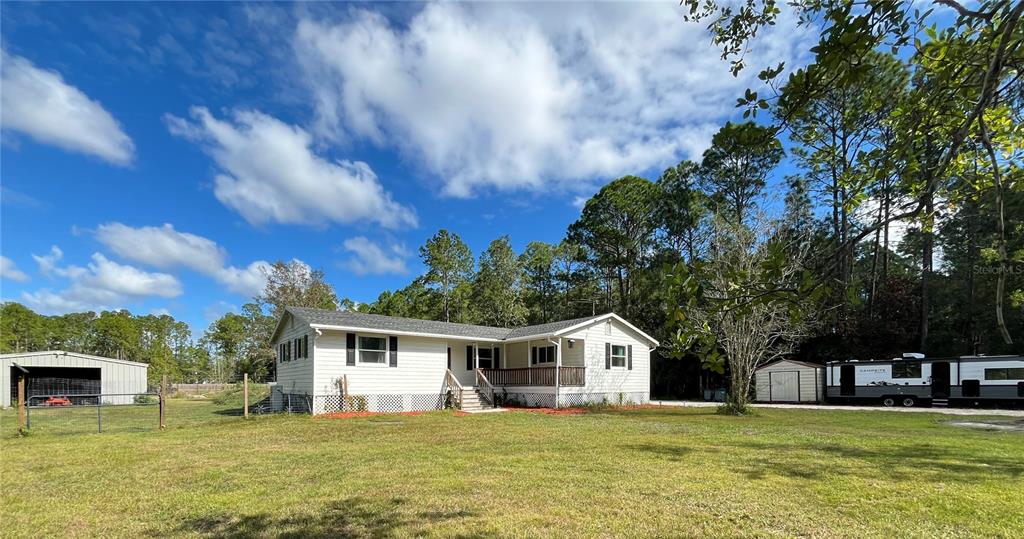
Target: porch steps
column 940, row 403
column 473, row 402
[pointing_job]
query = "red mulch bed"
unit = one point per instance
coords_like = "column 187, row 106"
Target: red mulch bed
column 349, row 415
column 549, row 411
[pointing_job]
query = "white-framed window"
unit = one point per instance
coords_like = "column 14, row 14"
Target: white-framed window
column 485, row 358
column 618, row 355
column 545, row 354
column 372, row 350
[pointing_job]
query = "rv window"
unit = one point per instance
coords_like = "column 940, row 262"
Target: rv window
column 1016, row 373
column 971, row 388
column 906, row 370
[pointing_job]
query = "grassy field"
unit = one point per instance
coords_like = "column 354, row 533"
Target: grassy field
column 649, row 472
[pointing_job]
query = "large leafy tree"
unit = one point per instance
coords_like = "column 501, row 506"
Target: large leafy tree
column 498, row 287
column 617, row 228
column 540, row 283
column 734, row 170
column 728, row 330
column 295, row 284
column 449, row 264
column 682, row 210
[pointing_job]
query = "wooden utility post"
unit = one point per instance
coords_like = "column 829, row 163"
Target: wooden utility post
column 21, row 405
column 245, row 395
column 163, row 402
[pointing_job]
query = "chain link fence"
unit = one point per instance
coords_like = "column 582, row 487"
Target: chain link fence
column 79, row 414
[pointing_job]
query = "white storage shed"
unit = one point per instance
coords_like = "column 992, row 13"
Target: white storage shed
column 55, row 372
column 790, row 381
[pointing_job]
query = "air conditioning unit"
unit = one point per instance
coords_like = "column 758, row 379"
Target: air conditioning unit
column 913, row 355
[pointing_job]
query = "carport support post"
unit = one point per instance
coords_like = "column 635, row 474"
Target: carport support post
column 245, row 395
column 21, row 405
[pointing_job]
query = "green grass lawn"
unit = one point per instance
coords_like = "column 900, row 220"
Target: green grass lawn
column 651, row 472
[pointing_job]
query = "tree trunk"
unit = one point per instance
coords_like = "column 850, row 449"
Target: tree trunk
column 874, row 267
column 926, row 269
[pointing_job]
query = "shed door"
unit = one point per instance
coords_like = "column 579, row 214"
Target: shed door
column 785, row 386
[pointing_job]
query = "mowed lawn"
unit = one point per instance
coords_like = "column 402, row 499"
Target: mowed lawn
column 649, row 472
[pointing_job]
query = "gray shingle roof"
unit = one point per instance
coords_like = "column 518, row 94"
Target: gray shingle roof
column 546, row 329
column 394, row 323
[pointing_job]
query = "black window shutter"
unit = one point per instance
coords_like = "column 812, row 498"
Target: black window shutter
column 497, row 358
column 449, row 358
column 297, row 348
column 305, row 346
column 629, row 357
column 393, row 351
column 607, row 355
column 469, row 358
column 533, row 355
column 350, row 348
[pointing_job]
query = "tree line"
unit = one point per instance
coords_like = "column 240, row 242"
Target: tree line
column 897, row 229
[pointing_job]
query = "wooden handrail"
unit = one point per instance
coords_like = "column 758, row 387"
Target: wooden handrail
column 452, row 384
column 486, row 389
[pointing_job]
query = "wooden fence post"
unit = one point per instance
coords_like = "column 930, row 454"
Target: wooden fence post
column 163, row 402
column 21, row 404
column 245, row 394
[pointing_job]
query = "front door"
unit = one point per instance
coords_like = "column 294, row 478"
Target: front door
column 785, row 386
column 847, row 381
column 940, row 379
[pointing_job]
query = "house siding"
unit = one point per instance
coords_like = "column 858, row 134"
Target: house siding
column 615, row 384
column 294, row 377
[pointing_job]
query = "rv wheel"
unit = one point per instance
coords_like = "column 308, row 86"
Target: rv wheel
column 888, row 402
column 908, row 402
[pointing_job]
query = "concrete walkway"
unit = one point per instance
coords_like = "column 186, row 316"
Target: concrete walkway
column 947, row 411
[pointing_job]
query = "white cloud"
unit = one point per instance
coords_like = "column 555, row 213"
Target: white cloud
column 516, row 96
column 248, row 281
column 48, row 263
column 370, row 258
column 9, row 270
column 217, row 310
column 162, row 247
column 269, row 173
column 101, row 284
column 165, row 248
column 40, row 104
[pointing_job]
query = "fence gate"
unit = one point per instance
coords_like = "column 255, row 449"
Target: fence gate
column 79, row 414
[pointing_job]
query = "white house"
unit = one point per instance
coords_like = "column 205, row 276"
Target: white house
column 333, row 360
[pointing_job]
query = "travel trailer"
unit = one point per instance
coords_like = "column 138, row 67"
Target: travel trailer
column 914, row 380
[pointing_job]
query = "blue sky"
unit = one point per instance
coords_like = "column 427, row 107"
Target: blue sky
column 155, row 156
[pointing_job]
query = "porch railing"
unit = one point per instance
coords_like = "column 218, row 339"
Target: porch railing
column 485, row 387
column 537, row 376
column 452, row 385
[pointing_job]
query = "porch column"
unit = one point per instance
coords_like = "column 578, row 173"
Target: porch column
column 558, row 367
